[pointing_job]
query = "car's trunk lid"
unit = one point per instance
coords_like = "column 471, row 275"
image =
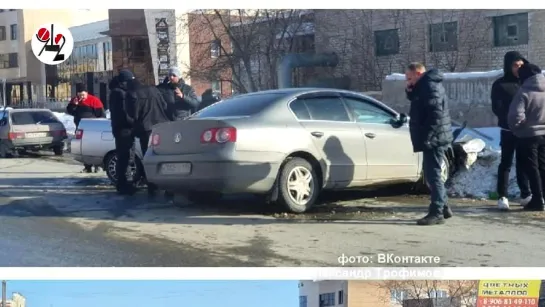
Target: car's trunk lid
column 36, row 124
column 184, row 137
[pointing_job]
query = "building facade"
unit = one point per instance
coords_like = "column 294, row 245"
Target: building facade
column 342, row 293
column 374, row 43
column 17, row 300
column 25, row 75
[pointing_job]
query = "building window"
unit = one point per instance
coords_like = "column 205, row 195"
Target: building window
column 2, row 33
column 215, row 49
column 327, row 299
column 216, row 86
column 13, row 32
column 9, row 60
column 398, row 296
column 386, row 42
column 443, row 36
column 438, row 294
column 341, row 297
column 139, row 47
column 303, row 301
column 510, row 30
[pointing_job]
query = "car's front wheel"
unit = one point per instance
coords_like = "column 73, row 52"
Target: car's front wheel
column 298, row 185
column 134, row 171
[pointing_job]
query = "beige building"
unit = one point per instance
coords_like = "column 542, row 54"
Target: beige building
column 17, row 300
column 18, row 65
column 342, row 293
column 374, row 43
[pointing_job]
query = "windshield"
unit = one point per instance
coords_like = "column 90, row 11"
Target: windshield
column 33, row 118
column 245, row 105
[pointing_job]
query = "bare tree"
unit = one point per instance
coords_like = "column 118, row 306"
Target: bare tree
column 458, row 292
column 456, row 37
column 243, row 47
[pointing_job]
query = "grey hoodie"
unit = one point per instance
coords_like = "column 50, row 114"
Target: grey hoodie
column 526, row 116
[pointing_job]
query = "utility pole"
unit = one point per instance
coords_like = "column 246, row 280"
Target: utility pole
column 4, row 284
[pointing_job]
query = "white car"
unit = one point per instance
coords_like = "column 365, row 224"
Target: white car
column 94, row 144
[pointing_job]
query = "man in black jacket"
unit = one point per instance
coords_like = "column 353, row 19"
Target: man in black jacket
column 122, row 129
column 180, row 98
column 431, row 134
column 146, row 108
column 503, row 91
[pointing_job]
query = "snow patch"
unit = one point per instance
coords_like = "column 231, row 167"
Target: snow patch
column 480, row 180
column 458, row 75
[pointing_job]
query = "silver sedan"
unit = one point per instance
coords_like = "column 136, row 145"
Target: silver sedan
column 287, row 144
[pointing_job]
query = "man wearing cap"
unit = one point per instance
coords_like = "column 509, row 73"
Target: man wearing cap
column 122, row 129
column 85, row 105
column 180, row 98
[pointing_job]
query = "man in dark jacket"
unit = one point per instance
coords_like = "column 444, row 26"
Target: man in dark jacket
column 122, row 129
column 526, row 119
column 503, row 91
column 146, row 107
column 208, row 98
column 431, row 134
column 180, row 97
column 85, row 105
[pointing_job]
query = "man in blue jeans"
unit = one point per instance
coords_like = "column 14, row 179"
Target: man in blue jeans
column 431, row 134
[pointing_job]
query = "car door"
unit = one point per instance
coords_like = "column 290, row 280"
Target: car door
column 389, row 149
column 336, row 136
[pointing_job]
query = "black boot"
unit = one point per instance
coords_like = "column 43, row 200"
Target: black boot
column 125, row 189
column 431, row 219
column 447, row 212
column 534, row 205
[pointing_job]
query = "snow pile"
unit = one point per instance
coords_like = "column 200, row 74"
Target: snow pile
column 67, row 121
column 458, row 75
column 480, row 180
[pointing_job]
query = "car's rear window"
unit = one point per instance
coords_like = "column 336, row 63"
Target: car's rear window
column 32, row 118
column 245, row 105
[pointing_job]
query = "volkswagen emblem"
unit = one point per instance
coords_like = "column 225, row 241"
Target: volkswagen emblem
column 177, row 138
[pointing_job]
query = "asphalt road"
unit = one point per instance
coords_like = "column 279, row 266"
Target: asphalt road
column 52, row 215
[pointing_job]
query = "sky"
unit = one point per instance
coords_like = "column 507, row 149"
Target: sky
column 157, row 293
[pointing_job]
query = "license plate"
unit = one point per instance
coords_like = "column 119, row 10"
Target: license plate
column 175, row 168
column 36, row 135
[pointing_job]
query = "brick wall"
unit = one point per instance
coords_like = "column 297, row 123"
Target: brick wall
column 350, row 33
column 203, row 29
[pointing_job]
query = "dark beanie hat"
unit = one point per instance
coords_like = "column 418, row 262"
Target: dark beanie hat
column 80, row 87
column 528, row 70
column 125, row 75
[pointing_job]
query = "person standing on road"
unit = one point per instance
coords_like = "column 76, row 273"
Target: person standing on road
column 208, row 98
column 146, row 107
column 122, row 129
column 180, row 98
column 503, row 91
column 85, row 105
column 526, row 119
column 431, row 134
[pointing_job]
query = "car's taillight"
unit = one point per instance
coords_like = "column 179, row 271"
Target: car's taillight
column 79, row 134
column 219, row 135
column 155, row 140
column 16, row 135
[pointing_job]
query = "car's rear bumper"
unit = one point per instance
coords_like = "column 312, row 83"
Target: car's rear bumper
column 210, row 174
column 37, row 142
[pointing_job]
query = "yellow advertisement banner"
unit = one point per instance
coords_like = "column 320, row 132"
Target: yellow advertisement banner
column 509, row 288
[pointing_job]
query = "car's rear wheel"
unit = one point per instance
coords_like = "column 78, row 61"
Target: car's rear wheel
column 298, row 185
column 58, row 150
column 134, row 171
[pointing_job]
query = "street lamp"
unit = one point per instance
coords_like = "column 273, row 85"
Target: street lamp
column 4, row 91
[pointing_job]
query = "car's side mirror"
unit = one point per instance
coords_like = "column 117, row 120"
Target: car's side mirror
column 403, row 118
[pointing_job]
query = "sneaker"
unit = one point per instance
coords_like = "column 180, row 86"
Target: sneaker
column 447, row 212
column 430, row 220
column 525, row 201
column 503, row 203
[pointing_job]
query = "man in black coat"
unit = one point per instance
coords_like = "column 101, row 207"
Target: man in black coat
column 208, row 98
column 180, row 98
column 431, row 134
column 146, row 108
column 503, row 91
column 122, row 129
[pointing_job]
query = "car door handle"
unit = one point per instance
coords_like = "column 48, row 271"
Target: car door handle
column 317, row 134
column 370, row 135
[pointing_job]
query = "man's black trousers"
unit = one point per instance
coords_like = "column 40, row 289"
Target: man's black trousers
column 508, row 143
column 124, row 142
